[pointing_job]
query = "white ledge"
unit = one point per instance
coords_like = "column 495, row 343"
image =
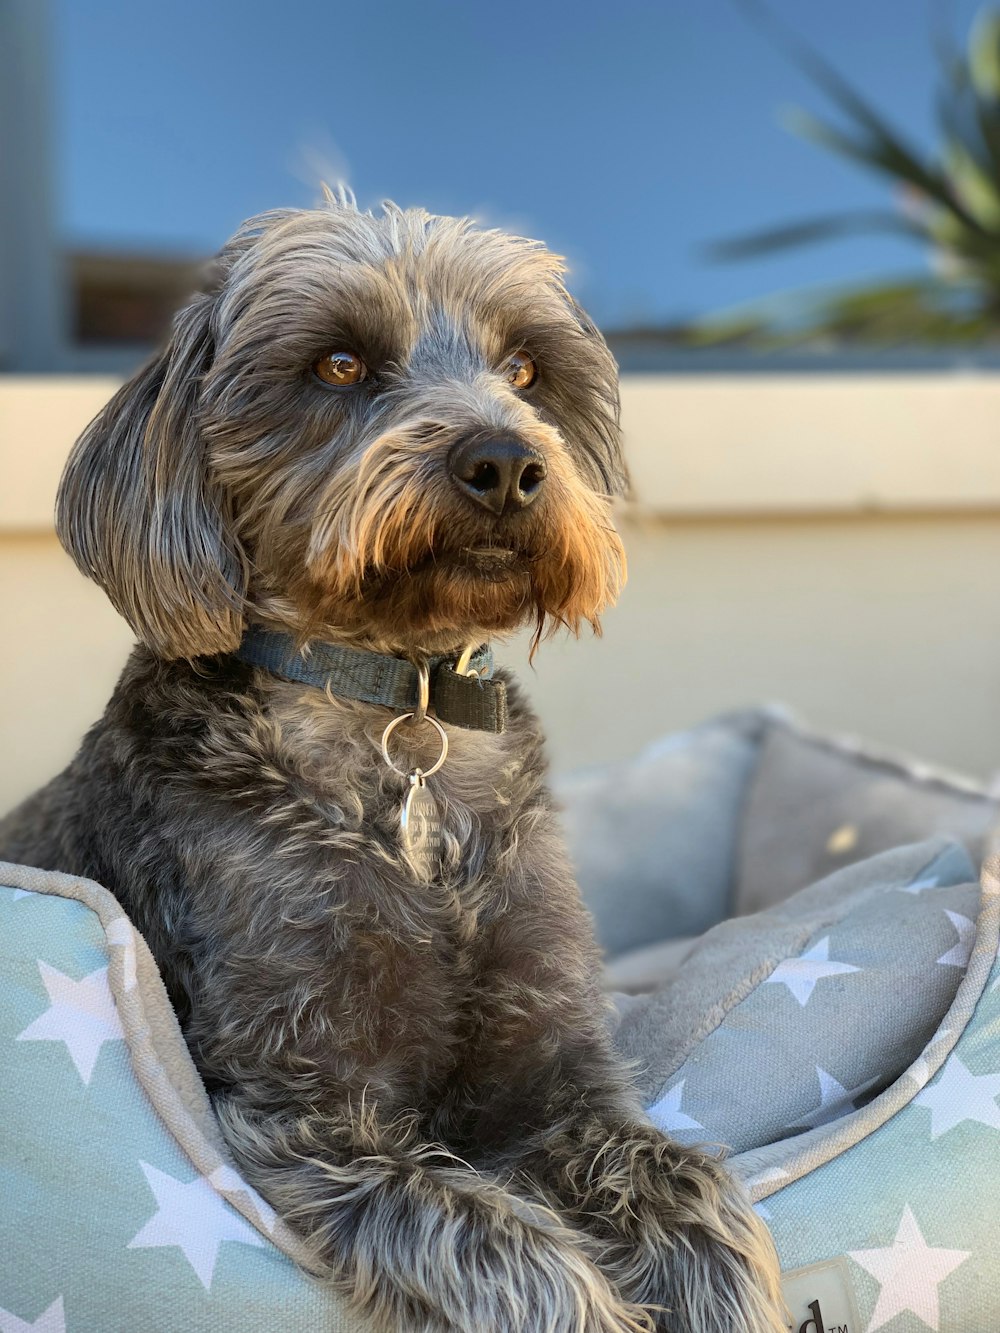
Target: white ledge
column 698, row 445
column 40, row 417
column 811, row 444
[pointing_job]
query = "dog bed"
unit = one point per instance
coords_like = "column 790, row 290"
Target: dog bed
column 843, row 1047
column 842, row 1042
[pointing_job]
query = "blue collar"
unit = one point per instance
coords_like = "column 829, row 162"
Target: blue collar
column 474, row 701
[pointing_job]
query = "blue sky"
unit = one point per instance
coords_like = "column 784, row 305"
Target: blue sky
column 625, row 134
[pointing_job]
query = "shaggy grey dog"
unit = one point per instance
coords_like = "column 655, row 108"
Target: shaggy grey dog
column 400, row 433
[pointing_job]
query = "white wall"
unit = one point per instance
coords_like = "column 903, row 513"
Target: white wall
column 884, row 627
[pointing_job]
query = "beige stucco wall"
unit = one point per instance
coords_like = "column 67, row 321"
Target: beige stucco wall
column 833, row 543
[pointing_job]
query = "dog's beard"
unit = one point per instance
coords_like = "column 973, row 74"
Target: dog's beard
column 449, row 595
column 418, row 569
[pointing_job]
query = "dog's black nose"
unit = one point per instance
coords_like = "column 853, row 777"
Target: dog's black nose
column 502, row 475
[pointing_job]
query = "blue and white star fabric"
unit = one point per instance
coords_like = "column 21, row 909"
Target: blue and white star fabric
column 117, row 1211
column 812, row 1007
column 845, row 1046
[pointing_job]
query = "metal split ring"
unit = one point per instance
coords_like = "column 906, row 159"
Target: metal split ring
column 405, row 772
column 423, row 691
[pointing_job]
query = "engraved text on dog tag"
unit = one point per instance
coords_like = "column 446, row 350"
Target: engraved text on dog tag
column 420, row 823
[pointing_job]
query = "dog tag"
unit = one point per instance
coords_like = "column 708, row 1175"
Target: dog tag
column 420, row 822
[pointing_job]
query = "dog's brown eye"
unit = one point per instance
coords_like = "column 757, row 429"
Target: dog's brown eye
column 341, row 368
column 520, row 370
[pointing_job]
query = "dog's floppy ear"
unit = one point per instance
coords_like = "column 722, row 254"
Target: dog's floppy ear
column 605, row 385
column 139, row 513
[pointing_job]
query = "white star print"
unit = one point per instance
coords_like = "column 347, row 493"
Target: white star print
column 958, row 954
column 918, row 885
column 959, row 1095
column 909, row 1272
column 192, row 1216
column 921, row 1069
column 82, row 1014
column 51, row 1320
column 666, row 1114
column 834, row 1100
column 801, row 974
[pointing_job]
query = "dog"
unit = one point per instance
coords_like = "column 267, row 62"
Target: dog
column 382, row 439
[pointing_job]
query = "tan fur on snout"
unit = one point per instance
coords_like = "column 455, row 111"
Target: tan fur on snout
column 390, row 511
column 582, row 569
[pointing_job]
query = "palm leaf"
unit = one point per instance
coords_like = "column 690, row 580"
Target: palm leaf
column 956, row 210
column 902, row 313
column 881, row 147
column 810, row 230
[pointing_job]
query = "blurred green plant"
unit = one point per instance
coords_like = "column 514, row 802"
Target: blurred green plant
column 948, row 201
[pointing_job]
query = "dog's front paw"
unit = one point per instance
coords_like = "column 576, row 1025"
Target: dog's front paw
column 720, row 1271
column 682, row 1239
column 522, row 1277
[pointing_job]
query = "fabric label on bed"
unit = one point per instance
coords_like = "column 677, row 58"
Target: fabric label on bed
column 820, row 1299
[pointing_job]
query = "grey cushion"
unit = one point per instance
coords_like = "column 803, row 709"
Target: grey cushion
column 810, row 1008
column 648, row 967
column 815, row 805
column 653, row 839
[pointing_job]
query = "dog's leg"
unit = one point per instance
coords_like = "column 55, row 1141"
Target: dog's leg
column 413, row 1237
column 549, row 1099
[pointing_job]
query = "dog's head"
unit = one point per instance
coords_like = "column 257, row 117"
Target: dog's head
column 396, row 429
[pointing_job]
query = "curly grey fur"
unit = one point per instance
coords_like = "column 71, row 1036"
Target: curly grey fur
column 417, row 1076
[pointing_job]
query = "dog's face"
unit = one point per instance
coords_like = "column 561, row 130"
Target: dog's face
column 395, row 429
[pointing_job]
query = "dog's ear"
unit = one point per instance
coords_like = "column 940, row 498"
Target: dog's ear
column 139, row 513
column 605, row 385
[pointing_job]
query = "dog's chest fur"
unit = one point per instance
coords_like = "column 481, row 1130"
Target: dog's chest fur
column 250, row 827
column 420, row 951
column 285, row 818
column 335, row 746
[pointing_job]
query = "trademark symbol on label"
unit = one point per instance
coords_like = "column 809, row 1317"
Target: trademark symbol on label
column 820, row 1298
